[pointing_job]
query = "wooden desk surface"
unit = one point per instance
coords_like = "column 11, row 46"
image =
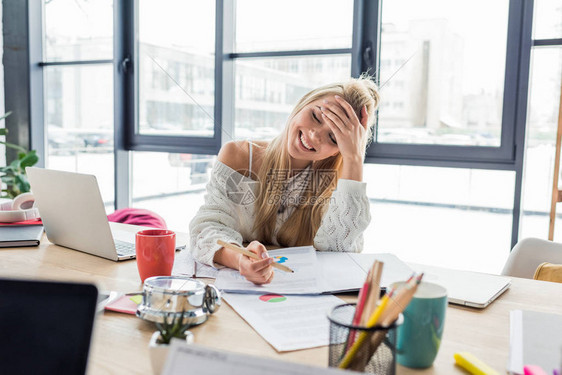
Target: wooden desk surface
column 120, row 343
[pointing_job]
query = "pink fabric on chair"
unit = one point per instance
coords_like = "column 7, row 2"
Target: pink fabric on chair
column 138, row 216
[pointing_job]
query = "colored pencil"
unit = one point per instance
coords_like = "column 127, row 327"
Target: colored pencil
column 374, row 291
column 346, row 361
column 249, row 254
column 391, row 306
column 359, row 309
column 393, row 311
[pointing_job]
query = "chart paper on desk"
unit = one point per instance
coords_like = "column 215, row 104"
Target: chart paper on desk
column 287, row 322
column 304, row 280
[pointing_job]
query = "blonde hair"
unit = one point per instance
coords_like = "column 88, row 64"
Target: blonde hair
column 302, row 225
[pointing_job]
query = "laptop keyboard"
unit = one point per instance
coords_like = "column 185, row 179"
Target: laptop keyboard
column 124, row 248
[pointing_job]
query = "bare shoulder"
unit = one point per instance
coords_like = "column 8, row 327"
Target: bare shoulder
column 236, row 155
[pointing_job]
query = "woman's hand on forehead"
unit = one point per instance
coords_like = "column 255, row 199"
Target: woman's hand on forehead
column 346, row 126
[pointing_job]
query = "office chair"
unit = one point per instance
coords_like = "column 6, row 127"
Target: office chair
column 528, row 254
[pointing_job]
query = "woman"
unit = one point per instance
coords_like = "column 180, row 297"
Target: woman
column 302, row 188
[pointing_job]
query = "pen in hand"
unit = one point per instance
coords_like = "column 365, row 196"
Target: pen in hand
column 252, row 255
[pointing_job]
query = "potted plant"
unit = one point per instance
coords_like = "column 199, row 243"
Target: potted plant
column 172, row 327
column 13, row 174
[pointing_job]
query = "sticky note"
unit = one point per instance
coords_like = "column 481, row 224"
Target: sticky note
column 136, row 299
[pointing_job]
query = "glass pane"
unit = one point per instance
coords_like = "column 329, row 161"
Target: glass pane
column 542, row 119
column 172, row 185
column 176, row 67
column 293, row 25
column 442, row 77
column 447, row 217
column 266, row 90
column 547, row 23
column 79, row 118
column 78, row 30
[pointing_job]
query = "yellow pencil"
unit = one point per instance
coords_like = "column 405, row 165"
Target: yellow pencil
column 249, row 254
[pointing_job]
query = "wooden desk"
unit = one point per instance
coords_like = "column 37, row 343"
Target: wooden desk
column 120, row 343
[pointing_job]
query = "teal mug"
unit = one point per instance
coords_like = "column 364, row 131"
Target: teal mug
column 419, row 337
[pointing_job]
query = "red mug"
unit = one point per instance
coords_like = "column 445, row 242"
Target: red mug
column 156, row 249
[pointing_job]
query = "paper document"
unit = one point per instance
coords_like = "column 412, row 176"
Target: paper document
column 343, row 272
column 304, row 280
column 185, row 265
column 194, row 359
column 287, row 322
column 534, row 338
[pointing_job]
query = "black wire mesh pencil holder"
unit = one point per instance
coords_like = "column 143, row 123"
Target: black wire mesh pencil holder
column 377, row 352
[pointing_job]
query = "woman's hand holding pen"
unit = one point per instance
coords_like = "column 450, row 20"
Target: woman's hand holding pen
column 257, row 271
column 350, row 133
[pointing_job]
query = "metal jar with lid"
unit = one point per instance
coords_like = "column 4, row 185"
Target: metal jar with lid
column 168, row 297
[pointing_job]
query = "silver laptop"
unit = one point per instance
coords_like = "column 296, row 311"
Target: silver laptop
column 473, row 289
column 74, row 216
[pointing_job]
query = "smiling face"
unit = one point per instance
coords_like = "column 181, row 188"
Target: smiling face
column 309, row 137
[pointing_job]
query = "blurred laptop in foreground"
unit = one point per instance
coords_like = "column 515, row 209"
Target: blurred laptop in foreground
column 46, row 326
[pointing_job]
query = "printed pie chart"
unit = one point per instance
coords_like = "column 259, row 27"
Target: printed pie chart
column 272, row 298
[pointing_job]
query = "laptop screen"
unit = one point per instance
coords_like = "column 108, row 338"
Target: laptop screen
column 45, row 326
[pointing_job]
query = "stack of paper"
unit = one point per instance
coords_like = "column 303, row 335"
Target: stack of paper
column 535, row 339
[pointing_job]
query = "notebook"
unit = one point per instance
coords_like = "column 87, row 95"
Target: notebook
column 74, row 216
column 466, row 288
column 46, row 326
column 19, row 236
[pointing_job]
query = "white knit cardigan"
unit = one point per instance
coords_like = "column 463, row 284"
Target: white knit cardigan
column 228, row 215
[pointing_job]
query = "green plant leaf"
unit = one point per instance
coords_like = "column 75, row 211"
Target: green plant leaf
column 15, row 164
column 29, row 160
column 3, row 131
column 22, row 184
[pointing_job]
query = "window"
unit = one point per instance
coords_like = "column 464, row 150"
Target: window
column 445, row 80
column 176, row 72
column 278, row 59
column 449, row 217
column 542, row 121
column 170, row 184
column 446, row 73
column 78, row 85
